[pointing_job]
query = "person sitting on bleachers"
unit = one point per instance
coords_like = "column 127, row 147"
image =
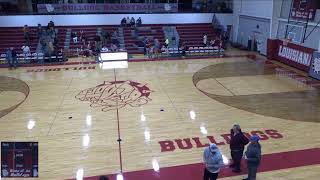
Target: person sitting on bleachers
column 74, row 37
column 113, row 47
column 107, row 36
column 26, row 51
column 183, row 47
column 132, row 22
column 123, row 22
column 139, row 22
column 43, row 44
column 211, row 43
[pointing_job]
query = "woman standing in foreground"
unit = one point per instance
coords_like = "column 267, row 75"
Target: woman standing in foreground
column 213, row 161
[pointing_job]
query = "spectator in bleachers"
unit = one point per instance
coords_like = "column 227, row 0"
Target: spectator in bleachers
column 139, row 22
column 183, row 47
column 156, row 48
column 114, row 47
column 166, row 46
column 149, row 49
column 88, row 50
column 128, row 21
column 56, row 43
column 14, row 61
column 212, row 42
column 50, row 25
column 166, row 43
column 132, row 22
column 145, row 42
column 98, row 42
column 80, row 35
column 205, row 40
column 74, row 36
column 123, row 22
column 26, row 52
column 39, row 31
column 107, row 36
column 50, row 51
column 9, row 57
column 114, row 35
column 26, row 34
column 43, row 44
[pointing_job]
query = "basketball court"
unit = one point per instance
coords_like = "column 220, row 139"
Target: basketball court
column 153, row 119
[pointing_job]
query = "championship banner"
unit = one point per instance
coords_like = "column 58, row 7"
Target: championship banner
column 291, row 54
column 315, row 66
column 107, row 8
column 304, row 9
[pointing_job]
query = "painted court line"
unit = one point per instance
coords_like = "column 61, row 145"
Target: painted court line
column 284, row 160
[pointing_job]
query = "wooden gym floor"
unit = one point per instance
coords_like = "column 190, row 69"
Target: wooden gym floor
column 164, row 112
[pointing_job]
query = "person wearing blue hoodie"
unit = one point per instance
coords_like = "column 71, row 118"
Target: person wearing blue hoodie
column 253, row 157
column 213, row 161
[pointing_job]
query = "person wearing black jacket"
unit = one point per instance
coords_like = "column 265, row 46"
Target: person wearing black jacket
column 237, row 144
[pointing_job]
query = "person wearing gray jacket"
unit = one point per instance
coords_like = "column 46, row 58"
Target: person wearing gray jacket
column 253, row 157
column 213, row 161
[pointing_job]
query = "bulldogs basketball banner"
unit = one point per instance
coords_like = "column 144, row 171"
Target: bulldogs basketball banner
column 304, row 9
column 315, row 66
column 107, row 8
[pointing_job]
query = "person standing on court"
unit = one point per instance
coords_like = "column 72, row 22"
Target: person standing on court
column 253, row 157
column 213, row 161
column 237, row 144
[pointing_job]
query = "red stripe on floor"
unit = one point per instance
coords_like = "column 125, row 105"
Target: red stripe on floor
column 269, row 162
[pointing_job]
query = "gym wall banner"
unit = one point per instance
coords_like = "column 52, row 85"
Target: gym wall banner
column 315, row 66
column 304, row 9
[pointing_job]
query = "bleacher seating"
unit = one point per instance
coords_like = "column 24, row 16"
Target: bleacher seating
column 89, row 32
column 191, row 34
column 131, row 43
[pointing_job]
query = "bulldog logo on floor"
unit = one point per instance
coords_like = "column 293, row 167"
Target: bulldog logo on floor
column 115, row 95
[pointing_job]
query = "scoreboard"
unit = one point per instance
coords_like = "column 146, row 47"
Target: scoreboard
column 19, row 159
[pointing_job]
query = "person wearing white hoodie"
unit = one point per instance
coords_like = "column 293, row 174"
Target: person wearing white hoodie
column 213, row 161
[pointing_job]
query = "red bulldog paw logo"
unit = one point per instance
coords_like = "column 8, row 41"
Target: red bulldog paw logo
column 115, row 95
